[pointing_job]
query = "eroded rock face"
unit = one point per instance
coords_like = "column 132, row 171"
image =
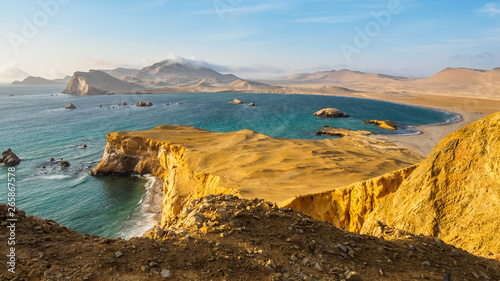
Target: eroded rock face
column 9, row 158
column 453, row 195
column 144, row 103
column 350, row 206
column 387, row 124
column 330, row 113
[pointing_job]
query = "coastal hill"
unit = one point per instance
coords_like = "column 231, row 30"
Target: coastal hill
column 120, row 72
column 342, row 76
column 37, row 81
column 165, row 77
column 97, row 82
column 173, row 73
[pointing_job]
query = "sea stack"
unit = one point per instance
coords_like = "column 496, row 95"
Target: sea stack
column 70, row 106
column 9, row 158
column 330, row 113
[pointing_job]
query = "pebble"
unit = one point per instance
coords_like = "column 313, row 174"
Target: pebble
column 118, row 254
column 165, row 273
column 354, row 276
column 153, row 264
column 342, row 247
column 318, row 267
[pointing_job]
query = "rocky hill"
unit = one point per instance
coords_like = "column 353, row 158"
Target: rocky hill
column 227, row 238
column 97, row 82
column 454, row 195
column 37, row 81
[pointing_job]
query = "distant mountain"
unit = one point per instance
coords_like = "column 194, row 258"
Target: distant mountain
column 121, row 72
column 464, row 77
column 341, row 76
column 97, row 82
column 173, row 73
column 36, row 81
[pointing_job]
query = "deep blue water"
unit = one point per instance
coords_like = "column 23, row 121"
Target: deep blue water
column 36, row 127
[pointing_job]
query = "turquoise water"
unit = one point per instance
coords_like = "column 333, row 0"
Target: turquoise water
column 36, row 127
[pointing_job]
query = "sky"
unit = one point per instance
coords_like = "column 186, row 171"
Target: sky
column 252, row 39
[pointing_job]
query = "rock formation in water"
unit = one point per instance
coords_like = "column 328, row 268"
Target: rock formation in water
column 454, row 195
column 97, row 82
column 144, row 103
column 387, row 124
column 330, row 113
column 70, row 106
column 339, row 132
column 237, row 101
column 9, row 158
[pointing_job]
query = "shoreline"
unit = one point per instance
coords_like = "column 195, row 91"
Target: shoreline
column 470, row 110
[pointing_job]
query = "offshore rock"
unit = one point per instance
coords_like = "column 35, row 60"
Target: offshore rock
column 387, row 124
column 338, row 132
column 454, row 195
column 330, row 113
column 144, row 103
column 9, row 158
column 70, row 106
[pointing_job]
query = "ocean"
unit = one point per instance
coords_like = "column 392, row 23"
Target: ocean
column 37, row 127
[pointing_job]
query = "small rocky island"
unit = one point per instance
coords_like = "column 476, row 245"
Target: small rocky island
column 339, row 132
column 9, row 158
column 144, row 104
column 387, row 124
column 330, row 113
column 70, row 106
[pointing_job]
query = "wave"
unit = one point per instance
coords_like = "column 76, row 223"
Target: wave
column 142, row 218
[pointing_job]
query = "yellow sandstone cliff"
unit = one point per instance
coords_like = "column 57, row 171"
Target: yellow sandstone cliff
column 350, row 206
column 194, row 163
column 454, row 194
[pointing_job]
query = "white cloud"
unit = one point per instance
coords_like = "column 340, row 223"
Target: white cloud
column 334, row 19
column 235, row 9
column 10, row 72
column 485, row 55
column 491, row 9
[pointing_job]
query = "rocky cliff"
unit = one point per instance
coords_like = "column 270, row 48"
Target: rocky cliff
column 194, row 163
column 97, row 82
column 350, row 206
column 454, row 194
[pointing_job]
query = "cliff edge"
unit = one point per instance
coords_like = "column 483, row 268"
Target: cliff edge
column 194, row 163
column 454, row 195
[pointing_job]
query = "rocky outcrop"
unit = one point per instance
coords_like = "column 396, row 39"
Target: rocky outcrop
column 9, row 158
column 122, row 103
column 97, row 82
column 330, row 113
column 220, row 237
column 387, row 124
column 454, row 195
column 339, row 132
column 252, row 104
column 350, row 206
column 144, row 104
column 237, row 101
column 70, row 106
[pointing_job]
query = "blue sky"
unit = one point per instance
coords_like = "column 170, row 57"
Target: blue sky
column 258, row 38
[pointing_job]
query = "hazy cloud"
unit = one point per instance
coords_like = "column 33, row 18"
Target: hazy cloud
column 485, row 55
column 491, row 9
column 241, row 10
column 9, row 72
